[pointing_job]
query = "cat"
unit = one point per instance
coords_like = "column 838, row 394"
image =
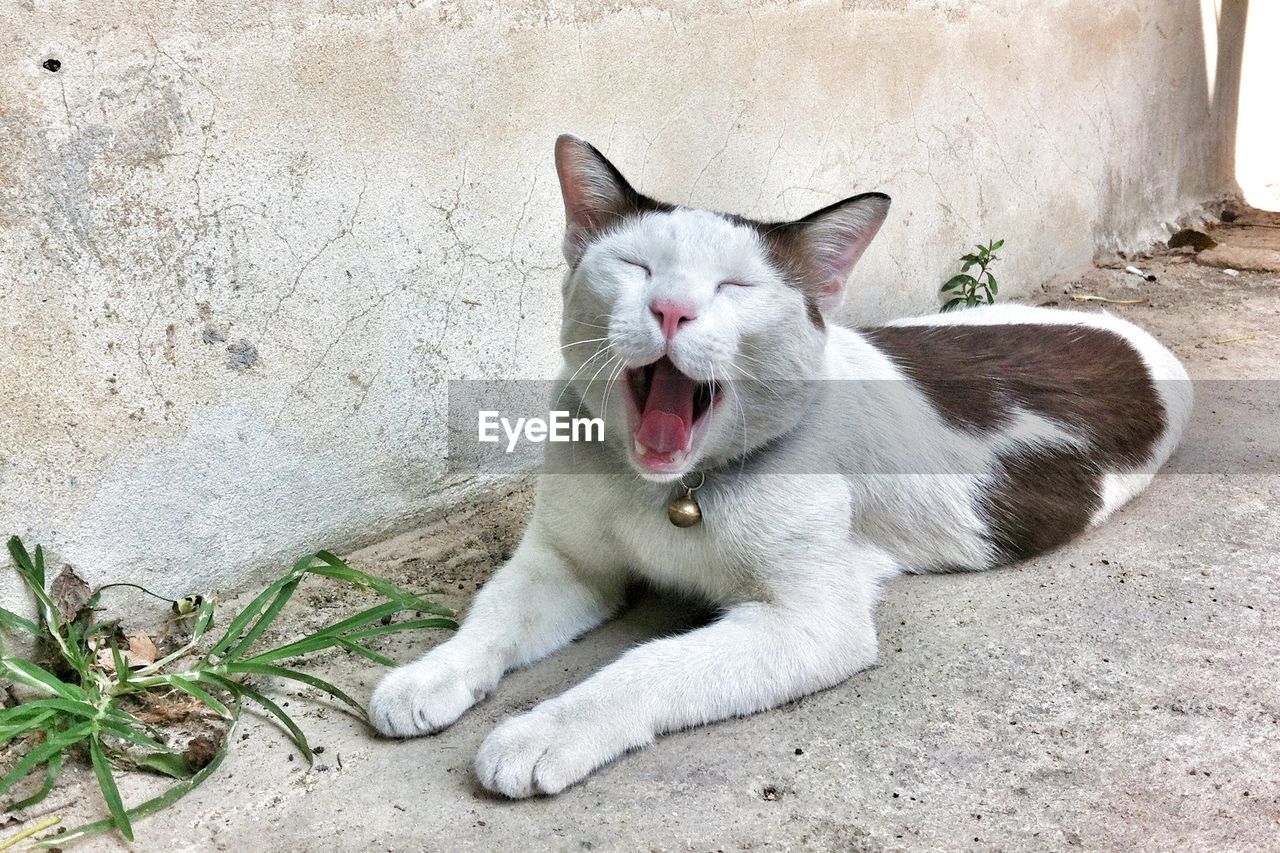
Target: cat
column 824, row 460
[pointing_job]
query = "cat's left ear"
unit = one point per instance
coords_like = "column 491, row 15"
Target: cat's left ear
column 833, row 239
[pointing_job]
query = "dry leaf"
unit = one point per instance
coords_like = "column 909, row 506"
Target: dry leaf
column 70, row 594
column 142, row 649
column 106, row 662
column 1238, row 339
column 163, row 711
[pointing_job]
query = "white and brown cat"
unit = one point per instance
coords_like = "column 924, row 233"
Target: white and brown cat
column 833, row 459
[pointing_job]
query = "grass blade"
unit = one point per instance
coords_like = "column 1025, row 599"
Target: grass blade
column 48, row 612
column 264, row 621
column 22, row 561
column 250, row 668
column 172, row 764
column 407, row 625
column 126, row 732
column 338, row 569
column 365, row 652
column 407, row 600
column 40, row 678
column 11, row 621
column 244, row 617
column 33, row 829
column 381, row 611
column 321, row 640
column 319, row 643
column 35, row 724
column 9, row 716
column 51, row 771
column 168, row 798
column 237, row 689
column 200, row 693
column 43, row 753
column 110, row 793
column 32, row 572
column 305, row 646
column 122, row 668
column 204, row 618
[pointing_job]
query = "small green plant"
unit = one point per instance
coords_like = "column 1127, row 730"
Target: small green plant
column 973, row 290
column 86, row 705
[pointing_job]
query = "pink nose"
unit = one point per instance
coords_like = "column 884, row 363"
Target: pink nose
column 671, row 315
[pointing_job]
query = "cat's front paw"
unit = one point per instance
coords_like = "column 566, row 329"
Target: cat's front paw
column 547, row 750
column 421, row 698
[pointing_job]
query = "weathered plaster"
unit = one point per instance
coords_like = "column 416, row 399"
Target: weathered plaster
column 244, row 247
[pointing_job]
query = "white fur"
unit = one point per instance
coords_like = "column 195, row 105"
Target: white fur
column 857, row 484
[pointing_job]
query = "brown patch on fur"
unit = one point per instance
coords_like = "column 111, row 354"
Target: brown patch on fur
column 1091, row 381
column 1040, row 501
column 789, row 252
column 629, row 203
column 790, row 248
column 936, row 359
column 632, row 204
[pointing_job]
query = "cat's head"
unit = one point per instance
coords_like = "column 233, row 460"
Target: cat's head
column 682, row 327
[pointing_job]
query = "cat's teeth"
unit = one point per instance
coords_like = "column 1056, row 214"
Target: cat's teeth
column 675, row 456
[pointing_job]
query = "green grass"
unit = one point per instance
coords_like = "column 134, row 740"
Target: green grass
column 971, row 290
column 80, row 709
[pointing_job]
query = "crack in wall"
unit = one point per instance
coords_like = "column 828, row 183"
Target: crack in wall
column 344, row 231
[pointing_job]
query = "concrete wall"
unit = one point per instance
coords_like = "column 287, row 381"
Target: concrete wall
column 1258, row 128
column 244, row 246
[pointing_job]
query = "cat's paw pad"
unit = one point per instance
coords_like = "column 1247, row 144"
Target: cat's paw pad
column 420, row 699
column 542, row 752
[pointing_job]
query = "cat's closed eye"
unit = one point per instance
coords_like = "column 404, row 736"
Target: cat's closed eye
column 639, row 265
column 732, row 282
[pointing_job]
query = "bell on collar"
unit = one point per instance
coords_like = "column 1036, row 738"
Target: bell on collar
column 684, row 511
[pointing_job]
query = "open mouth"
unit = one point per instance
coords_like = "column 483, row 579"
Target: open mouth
column 668, row 414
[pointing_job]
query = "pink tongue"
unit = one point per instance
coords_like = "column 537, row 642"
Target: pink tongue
column 668, row 413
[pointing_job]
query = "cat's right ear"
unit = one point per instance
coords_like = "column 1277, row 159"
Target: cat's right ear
column 826, row 244
column 595, row 194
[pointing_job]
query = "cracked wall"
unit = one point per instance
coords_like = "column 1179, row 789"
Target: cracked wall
column 243, row 247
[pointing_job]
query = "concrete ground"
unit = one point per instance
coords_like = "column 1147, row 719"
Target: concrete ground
column 1121, row 693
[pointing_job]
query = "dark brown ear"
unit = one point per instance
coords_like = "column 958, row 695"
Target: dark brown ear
column 821, row 249
column 595, row 194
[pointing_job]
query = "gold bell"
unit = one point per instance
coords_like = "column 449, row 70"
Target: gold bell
column 684, row 511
